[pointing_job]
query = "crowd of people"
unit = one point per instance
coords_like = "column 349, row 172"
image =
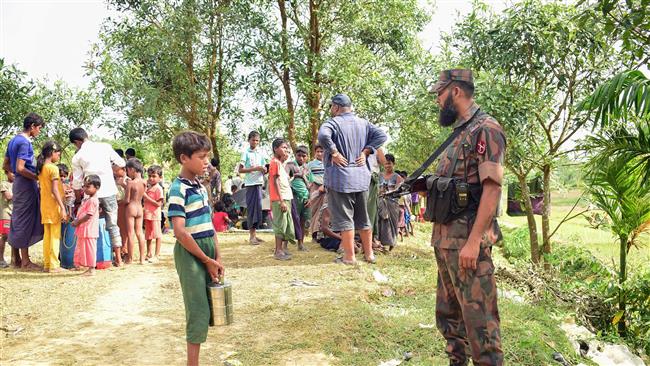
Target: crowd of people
column 49, row 193
column 339, row 198
column 42, row 196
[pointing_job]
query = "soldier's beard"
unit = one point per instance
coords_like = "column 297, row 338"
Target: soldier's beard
column 448, row 113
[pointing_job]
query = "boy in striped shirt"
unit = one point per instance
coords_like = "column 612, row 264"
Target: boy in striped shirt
column 196, row 253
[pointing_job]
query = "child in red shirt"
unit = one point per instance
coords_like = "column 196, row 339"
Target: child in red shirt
column 220, row 219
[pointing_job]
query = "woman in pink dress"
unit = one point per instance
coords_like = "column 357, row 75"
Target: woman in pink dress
column 87, row 226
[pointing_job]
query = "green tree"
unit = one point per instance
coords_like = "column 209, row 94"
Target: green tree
column 170, row 65
column 64, row 108
column 15, row 97
column 539, row 50
column 628, row 21
column 617, row 187
column 311, row 50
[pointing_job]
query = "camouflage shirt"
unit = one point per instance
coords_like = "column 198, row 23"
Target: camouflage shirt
column 480, row 147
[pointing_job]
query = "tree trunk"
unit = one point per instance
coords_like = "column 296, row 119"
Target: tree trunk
column 530, row 216
column 622, row 276
column 286, row 77
column 215, row 150
column 546, row 212
column 313, row 94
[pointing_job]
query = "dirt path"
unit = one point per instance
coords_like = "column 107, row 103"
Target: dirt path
column 112, row 316
column 135, row 315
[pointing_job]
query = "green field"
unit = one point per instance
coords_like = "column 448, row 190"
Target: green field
column 577, row 232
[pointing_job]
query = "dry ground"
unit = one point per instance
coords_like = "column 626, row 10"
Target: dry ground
column 135, row 316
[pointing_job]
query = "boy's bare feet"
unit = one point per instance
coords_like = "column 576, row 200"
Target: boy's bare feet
column 302, row 247
column 254, row 241
column 55, row 270
column 340, row 260
column 153, row 259
column 29, row 266
column 371, row 259
column 259, row 240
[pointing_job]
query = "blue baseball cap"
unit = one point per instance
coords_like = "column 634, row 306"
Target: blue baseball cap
column 342, row 100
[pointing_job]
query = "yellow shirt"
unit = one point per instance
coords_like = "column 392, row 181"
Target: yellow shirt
column 50, row 212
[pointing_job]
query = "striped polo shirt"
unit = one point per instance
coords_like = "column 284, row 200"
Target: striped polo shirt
column 189, row 199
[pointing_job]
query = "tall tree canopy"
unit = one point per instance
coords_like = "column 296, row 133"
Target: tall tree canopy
column 540, row 53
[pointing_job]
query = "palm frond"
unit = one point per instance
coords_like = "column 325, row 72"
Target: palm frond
column 625, row 94
column 617, row 187
column 623, row 143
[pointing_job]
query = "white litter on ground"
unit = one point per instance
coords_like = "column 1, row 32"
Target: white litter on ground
column 379, row 277
column 601, row 353
column 394, row 362
column 511, row 295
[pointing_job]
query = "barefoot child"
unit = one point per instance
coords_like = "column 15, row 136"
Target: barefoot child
column 153, row 201
column 134, row 215
column 87, row 226
column 121, row 181
column 53, row 211
column 5, row 214
column 253, row 163
column 299, row 208
column 196, row 253
column 280, row 192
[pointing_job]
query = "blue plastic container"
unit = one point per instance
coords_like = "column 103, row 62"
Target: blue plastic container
column 67, row 246
column 69, row 243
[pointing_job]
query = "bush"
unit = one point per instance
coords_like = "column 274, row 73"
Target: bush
column 637, row 316
column 516, row 245
column 578, row 264
column 595, row 287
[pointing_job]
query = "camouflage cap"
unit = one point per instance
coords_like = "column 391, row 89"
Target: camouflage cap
column 447, row 76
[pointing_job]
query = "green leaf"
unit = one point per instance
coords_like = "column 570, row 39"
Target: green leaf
column 617, row 317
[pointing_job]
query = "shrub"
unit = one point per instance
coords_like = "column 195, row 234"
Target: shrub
column 516, row 245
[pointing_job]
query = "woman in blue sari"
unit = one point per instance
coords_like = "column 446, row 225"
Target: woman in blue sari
column 26, row 228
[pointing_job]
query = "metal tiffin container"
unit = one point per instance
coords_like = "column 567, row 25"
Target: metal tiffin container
column 221, row 309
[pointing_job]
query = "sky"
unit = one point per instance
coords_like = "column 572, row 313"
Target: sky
column 52, row 38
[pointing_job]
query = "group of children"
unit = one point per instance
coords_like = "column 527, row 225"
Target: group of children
column 139, row 214
column 139, row 206
column 291, row 185
column 299, row 203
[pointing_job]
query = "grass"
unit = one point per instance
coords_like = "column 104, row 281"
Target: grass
column 577, row 232
column 346, row 320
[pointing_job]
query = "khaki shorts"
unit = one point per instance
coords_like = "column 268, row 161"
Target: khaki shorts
column 349, row 211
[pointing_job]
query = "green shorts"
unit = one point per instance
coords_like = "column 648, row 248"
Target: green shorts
column 282, row 222
column 194, row 279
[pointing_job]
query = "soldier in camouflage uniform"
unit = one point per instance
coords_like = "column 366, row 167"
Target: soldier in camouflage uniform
column 466, row 298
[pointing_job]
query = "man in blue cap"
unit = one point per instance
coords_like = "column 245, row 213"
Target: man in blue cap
column 348, row 140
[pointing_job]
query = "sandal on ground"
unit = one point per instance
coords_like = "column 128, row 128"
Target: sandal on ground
column 340, row 260
column 371, row 260
column 259, row 240
column 282, row 257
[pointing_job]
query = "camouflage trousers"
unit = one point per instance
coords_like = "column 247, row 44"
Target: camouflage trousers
column 466, row 309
